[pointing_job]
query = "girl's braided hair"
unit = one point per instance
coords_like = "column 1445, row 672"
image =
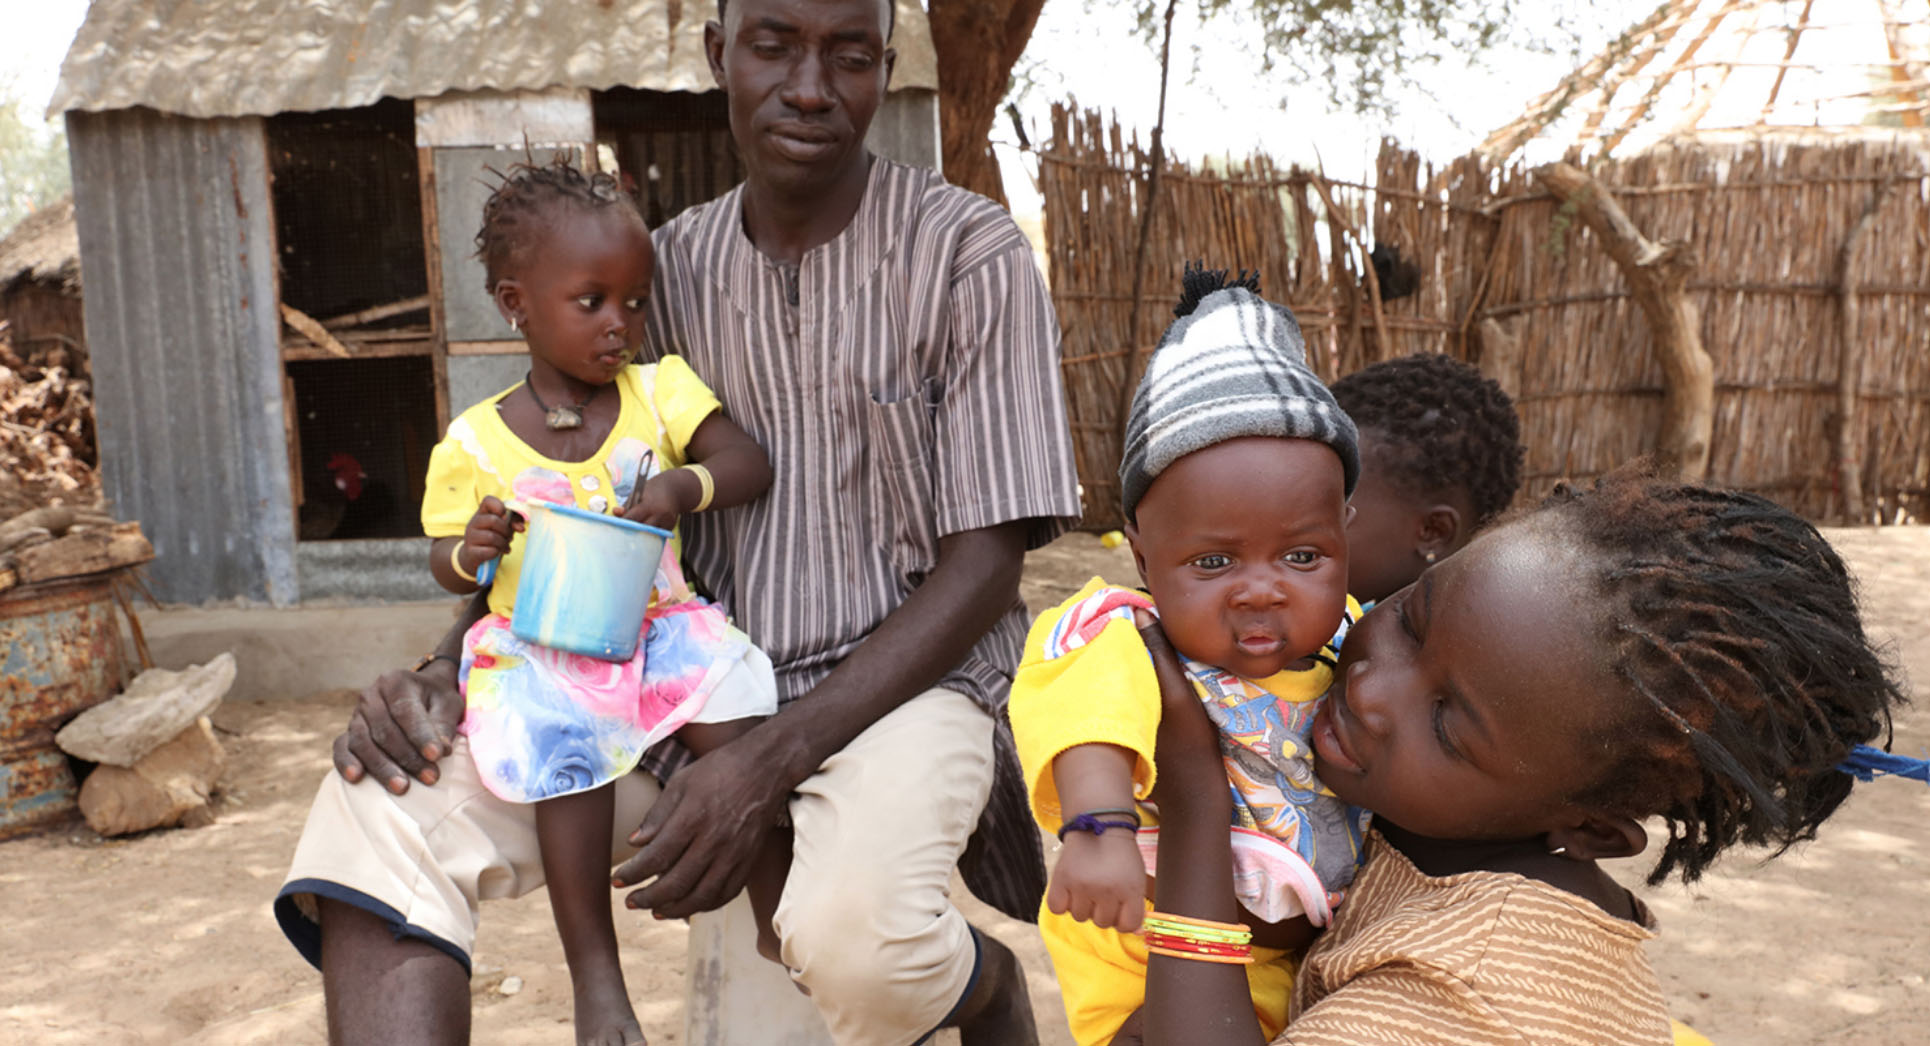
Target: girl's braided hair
column 1737, row 626
column 518, row 212
column 1444, row 424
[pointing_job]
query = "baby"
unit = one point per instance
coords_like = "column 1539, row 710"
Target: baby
column 1238, row 465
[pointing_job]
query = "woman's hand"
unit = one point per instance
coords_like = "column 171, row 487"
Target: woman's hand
column 1191, row 1003
column 1191, row 783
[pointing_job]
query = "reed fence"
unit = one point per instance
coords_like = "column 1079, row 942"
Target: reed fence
column 1790, row 273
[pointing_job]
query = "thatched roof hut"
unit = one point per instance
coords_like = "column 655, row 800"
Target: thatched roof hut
column 1793, row 187
column 1698, row 66
column 40, row 300
column 1782, row 147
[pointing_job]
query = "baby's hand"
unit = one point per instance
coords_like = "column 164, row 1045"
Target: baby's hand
column 1101, row 880
column 662, row 498
column 487, row 535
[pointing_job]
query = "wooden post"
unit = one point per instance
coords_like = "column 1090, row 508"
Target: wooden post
column 1130, row 382
column 1849, row 376
column 1658, row 274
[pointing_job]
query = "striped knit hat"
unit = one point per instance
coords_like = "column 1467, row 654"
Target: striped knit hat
column 1231, row 365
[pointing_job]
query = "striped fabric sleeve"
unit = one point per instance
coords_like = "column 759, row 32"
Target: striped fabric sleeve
column 1004, row 450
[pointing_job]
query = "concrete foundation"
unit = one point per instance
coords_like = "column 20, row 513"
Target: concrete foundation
column 736, row 997
column 391, row 570
column 292, row 652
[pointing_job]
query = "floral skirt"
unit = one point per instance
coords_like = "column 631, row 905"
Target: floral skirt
column 543, row 723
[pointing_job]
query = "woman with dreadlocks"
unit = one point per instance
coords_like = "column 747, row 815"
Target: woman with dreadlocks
column 1642, row 649
column 569, row 264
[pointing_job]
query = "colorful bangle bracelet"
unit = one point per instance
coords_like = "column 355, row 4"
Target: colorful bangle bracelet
column 1163, row 924
column 1246, row 960
column 1190, row 923
column 1161, row 940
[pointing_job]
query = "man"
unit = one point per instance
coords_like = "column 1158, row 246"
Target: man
column 888, row 339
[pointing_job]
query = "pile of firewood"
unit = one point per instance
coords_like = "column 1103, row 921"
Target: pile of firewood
column 47, row 450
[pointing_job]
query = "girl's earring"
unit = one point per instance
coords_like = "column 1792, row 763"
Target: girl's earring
column 516, row 325
column 1428, row 556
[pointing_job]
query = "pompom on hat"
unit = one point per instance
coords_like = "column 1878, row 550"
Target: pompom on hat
column 1232, row 365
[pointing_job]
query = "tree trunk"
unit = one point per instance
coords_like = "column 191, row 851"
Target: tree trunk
column 1658, row 274
column 977, row 44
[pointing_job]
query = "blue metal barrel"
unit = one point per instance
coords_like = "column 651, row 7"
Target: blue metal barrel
column 60, row 653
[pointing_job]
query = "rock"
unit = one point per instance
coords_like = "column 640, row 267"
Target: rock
column 166, row 787
column 510, row 986
column 158, row 705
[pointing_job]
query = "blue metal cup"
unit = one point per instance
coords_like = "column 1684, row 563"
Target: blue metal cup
column 586, row 581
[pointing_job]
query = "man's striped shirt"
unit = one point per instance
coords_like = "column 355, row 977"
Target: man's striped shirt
column 905, row 380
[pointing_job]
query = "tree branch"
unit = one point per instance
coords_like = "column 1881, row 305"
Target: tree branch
column 1658, row 274
column 1130, row 381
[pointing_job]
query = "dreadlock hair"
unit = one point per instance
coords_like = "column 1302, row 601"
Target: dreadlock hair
column 1442, row 424
column 518, row 211
column 1736, row 627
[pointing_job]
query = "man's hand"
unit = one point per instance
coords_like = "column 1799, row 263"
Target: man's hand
column 702, row 833
column 1100, row 879
column 401, row 726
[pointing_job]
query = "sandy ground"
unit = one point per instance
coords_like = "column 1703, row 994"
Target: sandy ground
column 167, row 937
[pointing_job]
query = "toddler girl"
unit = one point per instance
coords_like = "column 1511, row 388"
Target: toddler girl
column 569, row 265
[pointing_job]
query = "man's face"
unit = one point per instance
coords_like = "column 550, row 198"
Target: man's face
column 804, row 78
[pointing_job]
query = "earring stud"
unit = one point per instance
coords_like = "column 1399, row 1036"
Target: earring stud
column 1429, row 556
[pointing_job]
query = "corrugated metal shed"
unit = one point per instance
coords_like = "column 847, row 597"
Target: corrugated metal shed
column 176, row 225
column 214, row 58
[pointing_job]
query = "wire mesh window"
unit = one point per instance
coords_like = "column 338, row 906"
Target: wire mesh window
column 673, row 148
column 365, row 428
column 348, row 209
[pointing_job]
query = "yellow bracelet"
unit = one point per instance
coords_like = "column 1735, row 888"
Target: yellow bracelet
column 455, row 563
column 1205, row 924
column 1166, row 924
column 704, row 482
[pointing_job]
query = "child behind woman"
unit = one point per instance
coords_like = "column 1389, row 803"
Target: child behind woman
column 1440, row 457
column 1642, row 650
column 569, row 264
column 1235, row 480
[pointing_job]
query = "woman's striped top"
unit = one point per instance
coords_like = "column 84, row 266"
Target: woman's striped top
column 1476, row 959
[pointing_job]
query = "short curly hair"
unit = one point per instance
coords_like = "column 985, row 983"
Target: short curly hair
column 1442, row 425
column 523, row 205
column 1736, row 628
